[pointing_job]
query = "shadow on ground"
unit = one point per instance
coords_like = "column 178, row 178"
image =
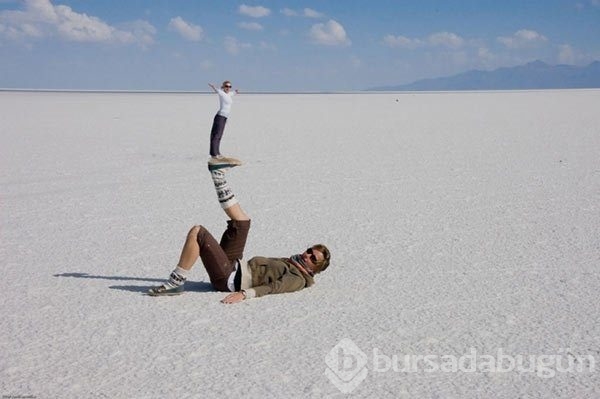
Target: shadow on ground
column 190, row 286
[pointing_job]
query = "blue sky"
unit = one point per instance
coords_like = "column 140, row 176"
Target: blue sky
column 290, row 45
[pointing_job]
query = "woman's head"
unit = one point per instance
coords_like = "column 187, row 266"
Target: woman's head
column 226, row 85
column 317, row 257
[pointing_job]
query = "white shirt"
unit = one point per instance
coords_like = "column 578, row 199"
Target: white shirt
column 246, row 276
column 225, row 100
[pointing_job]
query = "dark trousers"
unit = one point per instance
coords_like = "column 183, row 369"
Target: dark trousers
column 219, row 258
column 216, row 133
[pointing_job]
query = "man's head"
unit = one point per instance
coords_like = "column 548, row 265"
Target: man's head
column 317, row 257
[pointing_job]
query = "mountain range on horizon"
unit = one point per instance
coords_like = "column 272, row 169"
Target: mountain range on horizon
column 533, row 75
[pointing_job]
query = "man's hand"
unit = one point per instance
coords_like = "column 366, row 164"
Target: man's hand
column 234, row 297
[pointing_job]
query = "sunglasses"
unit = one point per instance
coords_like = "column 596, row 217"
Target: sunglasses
column 312, row 257
column 227, row 86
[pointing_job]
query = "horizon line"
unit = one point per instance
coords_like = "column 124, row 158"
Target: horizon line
column 365, row 91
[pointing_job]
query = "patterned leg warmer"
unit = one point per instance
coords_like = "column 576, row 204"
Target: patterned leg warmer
column 224, row 193
column 177, row 278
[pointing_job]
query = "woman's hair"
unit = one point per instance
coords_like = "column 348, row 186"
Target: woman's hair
column 323, row 264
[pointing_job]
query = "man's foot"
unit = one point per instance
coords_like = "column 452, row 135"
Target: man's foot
column 221, row 162
column 165, row 290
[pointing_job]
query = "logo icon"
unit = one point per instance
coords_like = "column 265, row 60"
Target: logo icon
column 346, row 366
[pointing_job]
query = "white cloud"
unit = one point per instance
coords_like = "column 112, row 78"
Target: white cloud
column 40, row 10
column 310, row 13
column 329, row 34
column 445, row 39
column 251, row 26
column 566, row 54
column 234, row 46
column 254, row 12
column 307, row 12
column 142, row 32
column 188, row 31
column 438, row 39
column 41, row 19
column 402, row 41
column 581, row 6
column 485, row 56
column 83, row 28
column 522, row 39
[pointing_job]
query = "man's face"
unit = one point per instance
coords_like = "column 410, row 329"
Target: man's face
column 311, row 257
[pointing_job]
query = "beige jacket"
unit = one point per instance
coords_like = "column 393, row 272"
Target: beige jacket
column 263, row 276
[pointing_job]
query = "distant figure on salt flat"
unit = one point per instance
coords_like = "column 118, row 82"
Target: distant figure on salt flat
column 216, row 133
column 223, row 261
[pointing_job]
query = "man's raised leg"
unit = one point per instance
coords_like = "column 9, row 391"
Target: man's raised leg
column 217, row 258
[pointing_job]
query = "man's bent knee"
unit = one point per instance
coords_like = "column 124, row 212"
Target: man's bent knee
column 197, row 232
column 200, row 234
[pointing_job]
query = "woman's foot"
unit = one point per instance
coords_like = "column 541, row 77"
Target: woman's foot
column 220, row 162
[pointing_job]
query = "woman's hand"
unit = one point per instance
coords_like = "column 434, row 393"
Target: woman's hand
column 234, row 297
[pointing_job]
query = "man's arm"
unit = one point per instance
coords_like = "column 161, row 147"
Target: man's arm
column 234, row 297
column 288, row 283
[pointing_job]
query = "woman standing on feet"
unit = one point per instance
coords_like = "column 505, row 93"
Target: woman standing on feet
column 216, row 133
column 223, row 261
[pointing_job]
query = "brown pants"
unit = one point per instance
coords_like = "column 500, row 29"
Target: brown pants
column 219, row 258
